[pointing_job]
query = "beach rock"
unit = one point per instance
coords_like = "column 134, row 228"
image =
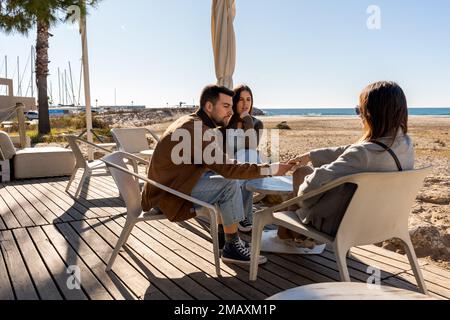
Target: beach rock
column 283, row 126
column 427, row 240
column 258, row 112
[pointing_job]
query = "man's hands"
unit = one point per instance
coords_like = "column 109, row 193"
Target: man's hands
column 281, row 168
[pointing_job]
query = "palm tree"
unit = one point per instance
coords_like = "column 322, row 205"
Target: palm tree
column 22, row 16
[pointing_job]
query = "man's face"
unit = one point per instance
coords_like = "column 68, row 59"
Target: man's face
column 222, row 111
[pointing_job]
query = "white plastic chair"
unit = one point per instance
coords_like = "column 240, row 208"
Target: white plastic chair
column 378, row 211
column 133, row 140
column 82, row 163
column 128, row 184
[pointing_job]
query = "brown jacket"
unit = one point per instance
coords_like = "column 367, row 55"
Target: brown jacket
column 183, row 177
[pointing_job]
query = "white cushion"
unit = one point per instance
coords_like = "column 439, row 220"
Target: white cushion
column 43, row 162
column 6, row 146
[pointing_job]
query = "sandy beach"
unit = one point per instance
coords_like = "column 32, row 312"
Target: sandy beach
column 430, row 219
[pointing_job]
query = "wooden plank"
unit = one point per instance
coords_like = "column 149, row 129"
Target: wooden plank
column 26, row 206
column 159, row 271
column 2, row 224
column 102, row 200
column 93, row 288
column 362, row 263
column 68, row 209
column 20, row 279
column 6, row 291
column 390, row 265
column 307, row 273
column 85, row 212
column 277, row 276
column 204, row 260
column 140, row 286
column 434, row 279
column 7, row 216
column 110, row 281
column 398, row 282
column 95, row 205
column 199, row 269
column 327, row 260
column 389, row 254
column 45, row 212
column 42, row 279
column 55, row 264
column 16, row 209
column 57, row 211
column 437, row 289
column 109, row 188
column 437, row 270
column 188, row 272
column 103, row 190
column 236, row 278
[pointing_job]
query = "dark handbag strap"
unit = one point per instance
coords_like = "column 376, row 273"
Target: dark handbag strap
column 392, row 153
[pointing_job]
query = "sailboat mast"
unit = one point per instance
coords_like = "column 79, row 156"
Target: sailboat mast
column 65, row 87
column 19, row 93
column 32, row 71
column 51, row 92
column 71, row 84
column 59, row 86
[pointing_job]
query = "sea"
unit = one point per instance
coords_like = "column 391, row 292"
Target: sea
column 336, row 112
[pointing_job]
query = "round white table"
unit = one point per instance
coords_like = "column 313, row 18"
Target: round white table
column 271, row 185
column 269, row 239
column 348, row 291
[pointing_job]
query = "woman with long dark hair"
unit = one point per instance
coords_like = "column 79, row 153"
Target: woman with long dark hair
column 242, row 136
column 384, row 146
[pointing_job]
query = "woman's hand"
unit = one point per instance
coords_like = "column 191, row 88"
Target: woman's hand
column 244, row 114
column 300, row 161
column 280, row 168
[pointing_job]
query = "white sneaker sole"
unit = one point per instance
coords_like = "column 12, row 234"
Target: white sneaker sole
column 261, row 260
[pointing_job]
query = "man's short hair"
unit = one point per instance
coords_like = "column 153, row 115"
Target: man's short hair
column 211, row 94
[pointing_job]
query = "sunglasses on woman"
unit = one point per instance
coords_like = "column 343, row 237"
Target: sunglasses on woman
column 358, row 110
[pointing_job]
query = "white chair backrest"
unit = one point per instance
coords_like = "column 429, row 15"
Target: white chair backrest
column 128, row 186
column 81, row 161
column 380, row 207
column 132, row 140
column 6, row 146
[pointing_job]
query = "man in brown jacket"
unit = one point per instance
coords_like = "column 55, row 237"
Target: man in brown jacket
column 189, row 159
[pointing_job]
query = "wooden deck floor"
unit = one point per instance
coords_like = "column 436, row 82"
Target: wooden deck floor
column 44, row 231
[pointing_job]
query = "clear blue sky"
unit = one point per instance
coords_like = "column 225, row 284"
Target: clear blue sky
column 293, row 53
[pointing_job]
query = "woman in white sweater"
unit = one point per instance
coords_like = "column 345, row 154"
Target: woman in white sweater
column 384, row 146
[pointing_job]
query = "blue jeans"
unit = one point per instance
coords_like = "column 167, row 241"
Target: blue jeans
column 232, row 197
column 250, row 156
column 224, row 193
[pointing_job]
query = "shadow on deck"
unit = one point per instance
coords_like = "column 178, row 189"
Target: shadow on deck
column 46, row 237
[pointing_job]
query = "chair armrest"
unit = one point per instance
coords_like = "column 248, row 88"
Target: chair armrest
column 154, row 135
column 160, row 186
column 130, row 156
column 92, row 144
column 326, row 187
column 305, row 196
